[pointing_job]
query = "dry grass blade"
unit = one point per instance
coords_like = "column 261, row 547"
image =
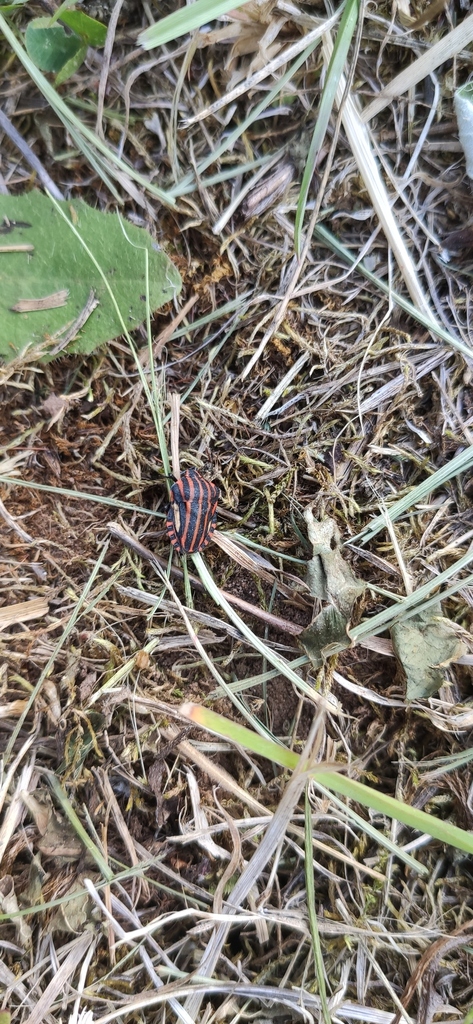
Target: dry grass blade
column 279, row 663
column 122, row 936
column 105, row 162
column 302, row 45
column 451, row 44
column 78, row 949
column 267, row 848
column 427, row 966
column 359, row 141
column 27, row 152
column 24, row 611
column 426, row 320
column 16, row 809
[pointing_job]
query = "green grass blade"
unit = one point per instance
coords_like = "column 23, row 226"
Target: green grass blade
column 77, row 825
column 256, row 642
column 335, row 69
column 185, row 20
column 229, row 140
column 459, row 464
column 97, row 499
column 334, row 781
column 414, row 603
column 312, row 913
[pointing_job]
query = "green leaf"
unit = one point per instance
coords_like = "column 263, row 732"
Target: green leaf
column 93, row 32
column 49, row 46
column 71, row 66
column 81, row 251
column 66, row 4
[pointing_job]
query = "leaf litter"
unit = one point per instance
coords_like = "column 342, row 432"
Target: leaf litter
column 303, row 384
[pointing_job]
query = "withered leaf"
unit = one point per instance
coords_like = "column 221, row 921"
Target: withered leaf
column 331, row 580
column 58, row 838
column 9, row 905
column 424, row 645
column 80, row 911
column 329, row 576
column 326, row 635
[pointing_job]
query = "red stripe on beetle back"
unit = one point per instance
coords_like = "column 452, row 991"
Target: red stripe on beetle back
column 193, row 511
column 192, row 515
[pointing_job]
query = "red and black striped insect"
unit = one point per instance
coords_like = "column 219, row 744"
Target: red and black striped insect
column 192, row 514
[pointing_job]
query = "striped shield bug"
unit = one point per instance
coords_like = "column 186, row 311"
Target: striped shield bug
column 192, row 513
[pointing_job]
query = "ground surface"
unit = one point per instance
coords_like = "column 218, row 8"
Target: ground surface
column 93, row 674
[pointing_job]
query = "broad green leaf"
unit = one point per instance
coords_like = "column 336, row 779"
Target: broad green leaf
column 89, row 29
column 49, row 46
column 72, row 65
column 78, row 251
column 66, row 4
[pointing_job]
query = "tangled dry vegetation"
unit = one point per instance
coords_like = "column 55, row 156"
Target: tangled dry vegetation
column 149, row 870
